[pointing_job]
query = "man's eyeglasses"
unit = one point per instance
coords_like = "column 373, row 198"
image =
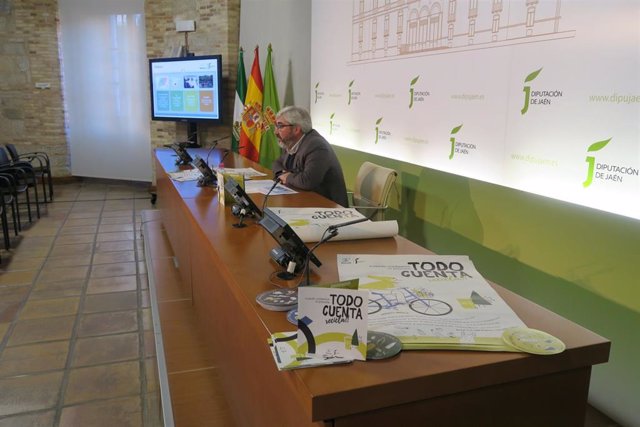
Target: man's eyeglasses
column 282, row 125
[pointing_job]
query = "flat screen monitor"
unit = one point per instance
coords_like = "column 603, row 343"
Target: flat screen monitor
column 292, row 248
column 187, row 89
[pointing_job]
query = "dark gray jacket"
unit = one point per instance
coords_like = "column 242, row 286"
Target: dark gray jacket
column 315, row 168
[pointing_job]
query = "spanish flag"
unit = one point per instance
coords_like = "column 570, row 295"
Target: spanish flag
column 251, row 132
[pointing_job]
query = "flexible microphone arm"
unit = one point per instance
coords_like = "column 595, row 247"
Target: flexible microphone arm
column 215, row 143
column 264, row 202
column 224, row 156
column 355, row 221
column 329, row 233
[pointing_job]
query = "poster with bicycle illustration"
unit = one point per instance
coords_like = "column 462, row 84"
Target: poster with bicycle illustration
column 431, row 301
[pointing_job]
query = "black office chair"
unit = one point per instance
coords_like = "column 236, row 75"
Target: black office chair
column 24, row 179
column 5, row 226
column 7, row 202
column 41, row 164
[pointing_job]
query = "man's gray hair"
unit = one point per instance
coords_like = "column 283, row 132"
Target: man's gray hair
column 296, row 116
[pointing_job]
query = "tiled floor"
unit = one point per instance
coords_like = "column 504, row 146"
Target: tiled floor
column 76, row 344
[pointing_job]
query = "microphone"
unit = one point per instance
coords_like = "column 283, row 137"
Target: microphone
column 224, row 156
column 215, row 143
column 264, row 202
column 330, row 233
column 355, row 221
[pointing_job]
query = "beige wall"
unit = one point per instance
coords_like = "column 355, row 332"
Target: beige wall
column 33, row 119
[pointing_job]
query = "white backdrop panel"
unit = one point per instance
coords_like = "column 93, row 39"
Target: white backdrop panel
column 521, row 94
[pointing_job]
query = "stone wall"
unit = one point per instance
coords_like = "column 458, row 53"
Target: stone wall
column 33, row 118
column 217, row 32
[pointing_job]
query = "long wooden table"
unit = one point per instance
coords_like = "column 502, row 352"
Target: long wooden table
column 226, row 267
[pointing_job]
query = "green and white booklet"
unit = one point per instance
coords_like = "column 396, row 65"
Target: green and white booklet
column 332, row 322
column 284, row 348
column 332, row 328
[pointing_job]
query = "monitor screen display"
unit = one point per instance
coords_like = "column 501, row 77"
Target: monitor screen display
column 186, row 88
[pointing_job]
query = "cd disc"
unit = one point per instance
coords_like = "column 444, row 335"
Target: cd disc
column 532, row 341
column 381, row 345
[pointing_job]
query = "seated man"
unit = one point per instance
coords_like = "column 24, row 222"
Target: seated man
column 308, row 161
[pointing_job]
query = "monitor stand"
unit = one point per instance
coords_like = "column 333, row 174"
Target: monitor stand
column 192, row 132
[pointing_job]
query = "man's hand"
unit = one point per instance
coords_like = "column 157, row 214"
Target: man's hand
column 283, row 177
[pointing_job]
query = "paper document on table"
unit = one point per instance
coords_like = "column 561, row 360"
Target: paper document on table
column 185, row 175
column 431, row 301
column 248, row 173
column 311, row 223
column 263, row 186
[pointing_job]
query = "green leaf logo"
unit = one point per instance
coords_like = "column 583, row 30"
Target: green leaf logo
column 332, row 115
column 592, row 160
column 598, row 145
column 455, row 130
column 378, row 121
column 414, row 81
column 317, row 84
column 351, row 84
column 532, row 75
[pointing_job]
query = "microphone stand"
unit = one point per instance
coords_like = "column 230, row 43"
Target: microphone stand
column 242, row 215
column 329, row 233
column 183, row 155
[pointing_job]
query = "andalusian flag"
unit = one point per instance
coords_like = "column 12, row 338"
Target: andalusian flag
column 238, row 108
column 251, row 134
column 269, row 148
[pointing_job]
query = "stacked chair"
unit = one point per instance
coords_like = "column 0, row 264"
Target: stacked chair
column 7, row 203
column 41, row 165
column 20, row 177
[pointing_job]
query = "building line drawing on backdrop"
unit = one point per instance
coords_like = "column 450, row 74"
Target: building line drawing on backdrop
column 388, row 31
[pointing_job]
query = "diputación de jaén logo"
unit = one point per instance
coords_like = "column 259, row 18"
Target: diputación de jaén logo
column 591, row 160
column 527, row 90
column 413, row 82
column 453, row 140
column 331, row 123
column 378, row 129
column 315, row 100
